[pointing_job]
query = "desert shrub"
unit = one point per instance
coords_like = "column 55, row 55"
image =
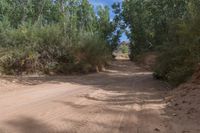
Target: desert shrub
column 32, row 45
column 94, row 51
column 55, row 36
column 174, row 32
column 182, row 54
column 176, row 65
column 124, row 49
column 16, row 62
column 47, row 49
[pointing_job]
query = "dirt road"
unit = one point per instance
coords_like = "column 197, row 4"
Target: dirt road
column 123, row 99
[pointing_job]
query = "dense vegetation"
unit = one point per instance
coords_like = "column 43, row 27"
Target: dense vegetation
column 170, row 27
column 67, row 36
column 59, row 36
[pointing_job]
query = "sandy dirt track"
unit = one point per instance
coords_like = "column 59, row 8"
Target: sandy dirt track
column 123, row 99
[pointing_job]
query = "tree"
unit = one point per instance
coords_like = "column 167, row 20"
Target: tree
column 149, row 22
column 52, row 34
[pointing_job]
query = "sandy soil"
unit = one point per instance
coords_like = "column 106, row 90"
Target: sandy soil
column 184, row 103
column 123, row 99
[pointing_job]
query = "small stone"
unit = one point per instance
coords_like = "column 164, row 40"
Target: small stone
column 157, row 130
column 176, row 104
column 174, row 114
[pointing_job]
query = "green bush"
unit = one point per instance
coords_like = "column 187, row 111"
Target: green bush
column 181, row 56
column 53, row 40
column 16, row 62
column 94, row 51
column 176, row 65
column 47, row 49
column 124, row 49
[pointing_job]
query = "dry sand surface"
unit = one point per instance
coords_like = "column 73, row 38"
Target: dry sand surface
column 184, row 103
column 123, row 99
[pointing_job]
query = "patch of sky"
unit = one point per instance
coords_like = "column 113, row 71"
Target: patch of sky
column 109, row 3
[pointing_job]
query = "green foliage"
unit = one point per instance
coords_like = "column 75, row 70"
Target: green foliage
column 170, row 27
column 124, row 48
column 118, row 25
column 149, row 22
column 92, row 54
column 17, row 61
column 181, row 56
column 52, row 36
column 176, row 65
column 46, row 50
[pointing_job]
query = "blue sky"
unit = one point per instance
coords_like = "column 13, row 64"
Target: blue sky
column 103, row 2
column 109, row 3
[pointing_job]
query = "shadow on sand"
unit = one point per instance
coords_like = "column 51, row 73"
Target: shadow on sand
column 131, row 85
